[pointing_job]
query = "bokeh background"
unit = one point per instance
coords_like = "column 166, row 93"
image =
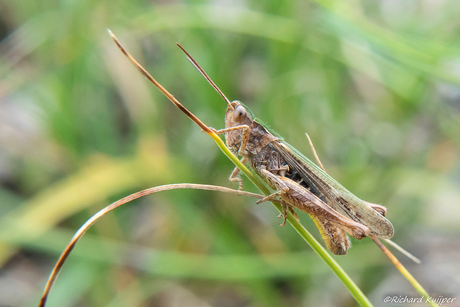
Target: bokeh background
column 374, row 83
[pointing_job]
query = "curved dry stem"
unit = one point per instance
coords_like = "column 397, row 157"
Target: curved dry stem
column 80, row 232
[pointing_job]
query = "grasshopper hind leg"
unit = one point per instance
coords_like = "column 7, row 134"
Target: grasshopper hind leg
column 332, row 225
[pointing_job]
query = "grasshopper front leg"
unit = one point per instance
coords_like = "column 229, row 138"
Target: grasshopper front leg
column 297, row 196
column 234, row 176
column 244, row 136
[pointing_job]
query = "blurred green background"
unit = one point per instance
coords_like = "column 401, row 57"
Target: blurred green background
column 374, row 83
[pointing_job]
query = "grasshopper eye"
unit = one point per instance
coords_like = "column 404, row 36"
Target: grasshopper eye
column 239, row 114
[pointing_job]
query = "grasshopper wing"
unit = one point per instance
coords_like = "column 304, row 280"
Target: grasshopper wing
column 336, row 195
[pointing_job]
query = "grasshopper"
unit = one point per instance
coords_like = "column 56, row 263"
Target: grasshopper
column 301, row 184
column 296, row 180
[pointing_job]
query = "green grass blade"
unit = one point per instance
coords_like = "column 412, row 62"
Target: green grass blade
column 314, row 244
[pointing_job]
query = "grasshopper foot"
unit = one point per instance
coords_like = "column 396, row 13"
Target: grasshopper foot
column 284, row 214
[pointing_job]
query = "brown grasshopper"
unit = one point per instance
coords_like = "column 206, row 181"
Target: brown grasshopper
column 298, row 182
column 301, row 184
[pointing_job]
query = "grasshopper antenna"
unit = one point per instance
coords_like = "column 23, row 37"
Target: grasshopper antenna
column 205, row 75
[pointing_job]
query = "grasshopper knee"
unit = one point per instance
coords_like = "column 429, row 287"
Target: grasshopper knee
column 360, row 231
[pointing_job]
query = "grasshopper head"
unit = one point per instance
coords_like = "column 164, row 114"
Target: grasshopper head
column 236, row 115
